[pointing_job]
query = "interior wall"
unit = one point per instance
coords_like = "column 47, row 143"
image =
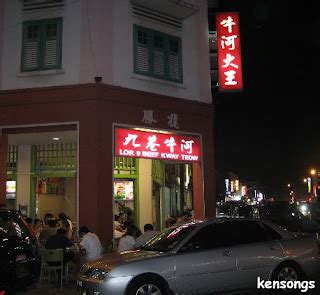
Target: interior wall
column 55, row 204
column 50, row 204
column 70, row 199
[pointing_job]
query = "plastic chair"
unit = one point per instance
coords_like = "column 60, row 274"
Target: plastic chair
column 53, row 255
column 106, row 248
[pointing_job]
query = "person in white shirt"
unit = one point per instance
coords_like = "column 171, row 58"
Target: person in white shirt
column 128, row 240
column 66, row 223
column 90, row 243
column 148, row 234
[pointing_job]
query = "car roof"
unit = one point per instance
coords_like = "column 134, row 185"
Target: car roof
column 198, row 224
column 222, row 220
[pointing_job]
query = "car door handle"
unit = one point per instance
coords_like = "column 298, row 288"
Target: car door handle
column 227, row 253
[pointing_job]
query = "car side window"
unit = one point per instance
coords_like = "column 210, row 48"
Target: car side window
column 210, row 237
column 271, row 234
column 254, row 232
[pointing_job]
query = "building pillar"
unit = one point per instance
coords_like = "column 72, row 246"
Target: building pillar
column 3, row 167
column 197, row 182
column 23, row 177
column 145, row 192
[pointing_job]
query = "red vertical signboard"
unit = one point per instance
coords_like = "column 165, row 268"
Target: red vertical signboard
column 229, row 51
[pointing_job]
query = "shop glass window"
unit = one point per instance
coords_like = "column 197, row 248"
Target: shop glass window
column 41, row 45
column 157, row 54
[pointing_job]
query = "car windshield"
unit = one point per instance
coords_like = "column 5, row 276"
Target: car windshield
column 169, row 238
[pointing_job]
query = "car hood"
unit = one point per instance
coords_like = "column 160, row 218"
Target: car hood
column 109, row 261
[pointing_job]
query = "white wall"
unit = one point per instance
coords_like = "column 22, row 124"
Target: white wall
column 98, row 41
column 12, row 78
column 194, row 34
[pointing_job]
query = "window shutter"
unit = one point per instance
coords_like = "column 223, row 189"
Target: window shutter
column 142, row 53
column 35, row 5
column 41, row 48
column 51, row 47
column 174, row 60
column 158, row 55
column 31, row 47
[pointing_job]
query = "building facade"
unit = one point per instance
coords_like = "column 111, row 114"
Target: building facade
column 72, row 74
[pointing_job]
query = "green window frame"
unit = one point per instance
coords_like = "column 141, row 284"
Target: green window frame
column 54, row 158
column 125, row 165
column 41, row 45
column 157, row 54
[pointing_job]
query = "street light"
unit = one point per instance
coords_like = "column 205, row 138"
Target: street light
column 313, row 172
column 288, row 185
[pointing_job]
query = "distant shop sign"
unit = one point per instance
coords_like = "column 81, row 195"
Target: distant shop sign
column 229, row 51
column 156, row 145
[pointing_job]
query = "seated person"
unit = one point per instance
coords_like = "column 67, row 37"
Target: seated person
column 66, row 223
column 148, row 234
column 90, row 245
column 48, row 231
column 47, row 217
column 37, row 227
column 128, row 240
column 61, row 241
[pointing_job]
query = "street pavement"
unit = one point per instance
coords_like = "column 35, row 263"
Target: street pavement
column 53, row 288
column 43, row 287
column 70, row 289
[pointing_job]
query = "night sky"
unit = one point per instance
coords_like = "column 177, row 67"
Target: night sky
column 270, row 133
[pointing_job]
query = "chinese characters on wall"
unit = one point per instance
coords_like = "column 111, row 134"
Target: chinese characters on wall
column 229, row 51
column 172, row 119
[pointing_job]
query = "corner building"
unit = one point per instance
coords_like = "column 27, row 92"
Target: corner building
column 106, row 105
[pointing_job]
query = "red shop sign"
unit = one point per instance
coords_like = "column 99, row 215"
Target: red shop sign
column 155, row 145
column 229, row 51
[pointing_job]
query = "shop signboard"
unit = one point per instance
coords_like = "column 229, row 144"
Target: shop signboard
column 153, row 144
column 229, row 51
column 123, row 190
column 11, row 189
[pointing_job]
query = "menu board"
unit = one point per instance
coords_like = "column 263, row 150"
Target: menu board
column 123, row 190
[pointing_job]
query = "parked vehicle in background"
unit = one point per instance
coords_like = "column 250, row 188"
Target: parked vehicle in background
column 204, row 257
column 288, row 216
column 310, row 210
column 19, row 257
column 315, row 211
column 226, row 209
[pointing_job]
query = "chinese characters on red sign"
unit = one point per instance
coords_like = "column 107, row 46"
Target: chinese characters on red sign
column 154, row 145
column 229, row 51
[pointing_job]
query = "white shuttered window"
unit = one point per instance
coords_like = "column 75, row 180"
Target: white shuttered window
column 157, row 54
column 41, row 48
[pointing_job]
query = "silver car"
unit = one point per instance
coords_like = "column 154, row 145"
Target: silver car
column 204, row 257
